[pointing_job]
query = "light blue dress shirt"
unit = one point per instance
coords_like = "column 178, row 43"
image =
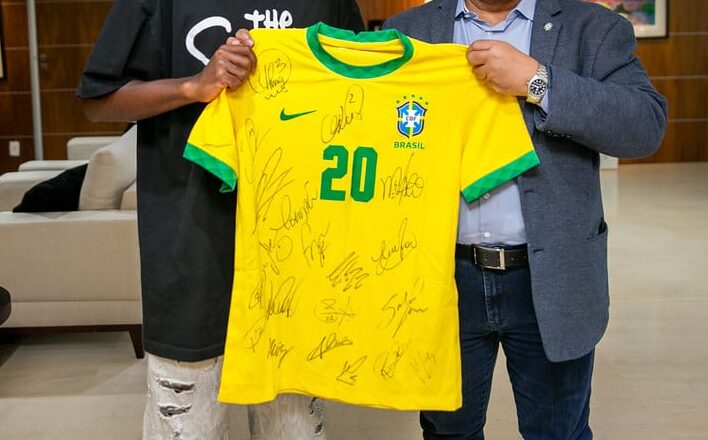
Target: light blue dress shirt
column 496, row 217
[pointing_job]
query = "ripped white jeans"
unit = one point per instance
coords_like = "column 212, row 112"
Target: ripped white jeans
column 182, row 405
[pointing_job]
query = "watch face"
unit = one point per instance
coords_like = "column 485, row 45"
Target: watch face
column 538, row 87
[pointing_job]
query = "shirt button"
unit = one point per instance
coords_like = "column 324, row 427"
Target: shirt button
column 487, row 235
column 486, row 196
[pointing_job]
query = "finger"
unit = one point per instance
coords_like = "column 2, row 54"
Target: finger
column 482, row 45
column 252, row 57
column 236, row 59
column 237, row 48
column 222, row 73
column 477, row 58
column 241, row 51
column 236, row 63
column 244, row 37
column 229, row 52
column 229, row 80
column 496, row 88
column 238, row 72
column 481, row 72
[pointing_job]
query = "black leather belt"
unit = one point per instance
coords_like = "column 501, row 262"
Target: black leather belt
column 498, row 258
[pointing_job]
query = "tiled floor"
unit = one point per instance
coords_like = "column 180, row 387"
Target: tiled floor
column 651, row 379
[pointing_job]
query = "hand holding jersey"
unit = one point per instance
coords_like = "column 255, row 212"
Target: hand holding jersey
column 491, row 59
column 499, row 64
column 228, row 68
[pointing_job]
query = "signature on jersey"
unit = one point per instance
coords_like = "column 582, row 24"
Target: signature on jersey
column 351, row 110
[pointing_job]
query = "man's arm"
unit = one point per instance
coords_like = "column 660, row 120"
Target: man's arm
column 228, row 67
column 616, row 111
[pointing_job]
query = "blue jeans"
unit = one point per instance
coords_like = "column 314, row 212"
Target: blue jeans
column 552, row 399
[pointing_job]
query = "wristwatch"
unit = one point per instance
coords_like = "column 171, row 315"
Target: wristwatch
column 537, row 86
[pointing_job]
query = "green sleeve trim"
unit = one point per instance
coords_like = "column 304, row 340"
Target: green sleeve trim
column 500, row 176
column 216, row 167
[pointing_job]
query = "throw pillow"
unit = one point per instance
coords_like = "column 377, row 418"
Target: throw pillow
column 58, row 194
column 111, row 169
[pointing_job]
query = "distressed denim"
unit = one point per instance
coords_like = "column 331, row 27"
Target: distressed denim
column 552, row 399
column 182, row 405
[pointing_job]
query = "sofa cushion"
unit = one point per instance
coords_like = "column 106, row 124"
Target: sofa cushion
column 70, row 256
column 58, row 194
column 111, row 170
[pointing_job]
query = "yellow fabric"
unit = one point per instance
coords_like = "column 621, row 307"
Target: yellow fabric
column 352, row 300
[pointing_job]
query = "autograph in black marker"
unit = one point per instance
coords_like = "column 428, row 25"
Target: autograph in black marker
column 349, row 274
column 277, row 350
column 403, row 184
column 273, row 73
column 346, row 114
column 327, row 344
column 400, row 307
column 290, row 219
column 330, row 312
column 350, row 371
column 314, row 246
column 282, row 302
column 272, row 181
column 387, row 362
column 391, row 255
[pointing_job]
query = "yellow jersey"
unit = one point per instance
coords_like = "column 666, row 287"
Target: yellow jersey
column 350, row 152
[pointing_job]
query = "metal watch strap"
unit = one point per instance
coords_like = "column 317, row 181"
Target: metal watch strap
column 541, row 75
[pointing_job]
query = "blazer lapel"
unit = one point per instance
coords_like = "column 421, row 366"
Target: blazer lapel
column 546, row 26
column 442, row 25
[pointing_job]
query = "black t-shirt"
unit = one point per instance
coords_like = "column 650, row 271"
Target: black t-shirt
column 186, row 226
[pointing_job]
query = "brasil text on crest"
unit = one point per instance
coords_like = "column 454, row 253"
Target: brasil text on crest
column 410, row 121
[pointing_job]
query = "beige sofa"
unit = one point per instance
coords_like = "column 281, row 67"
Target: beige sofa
column 76, row 271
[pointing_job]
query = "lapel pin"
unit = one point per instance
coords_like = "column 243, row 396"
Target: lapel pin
column 548, row 27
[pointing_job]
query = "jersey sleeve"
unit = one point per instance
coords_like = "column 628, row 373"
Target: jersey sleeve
column 212, row 142
column 124, row 51
column 497, row 147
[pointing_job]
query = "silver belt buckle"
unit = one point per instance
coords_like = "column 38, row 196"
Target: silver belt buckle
column 499, row 252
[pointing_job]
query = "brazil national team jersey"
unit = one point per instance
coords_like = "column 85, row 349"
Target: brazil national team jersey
column 350, row 152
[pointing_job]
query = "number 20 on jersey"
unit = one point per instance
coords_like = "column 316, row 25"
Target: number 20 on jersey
column 363, row 173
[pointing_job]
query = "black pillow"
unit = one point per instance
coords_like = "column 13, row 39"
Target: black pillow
column 58, row 194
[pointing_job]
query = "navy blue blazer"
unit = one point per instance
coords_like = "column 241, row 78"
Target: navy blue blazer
column 601, row 101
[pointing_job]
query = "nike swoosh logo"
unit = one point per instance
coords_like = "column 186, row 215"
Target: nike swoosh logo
column 286, row 117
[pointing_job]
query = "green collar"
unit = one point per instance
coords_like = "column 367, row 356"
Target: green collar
column 359, row 72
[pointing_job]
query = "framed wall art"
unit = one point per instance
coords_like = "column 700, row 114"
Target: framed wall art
column 649, row 17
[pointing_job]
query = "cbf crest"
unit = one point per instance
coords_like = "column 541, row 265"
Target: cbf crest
column 411, row 116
